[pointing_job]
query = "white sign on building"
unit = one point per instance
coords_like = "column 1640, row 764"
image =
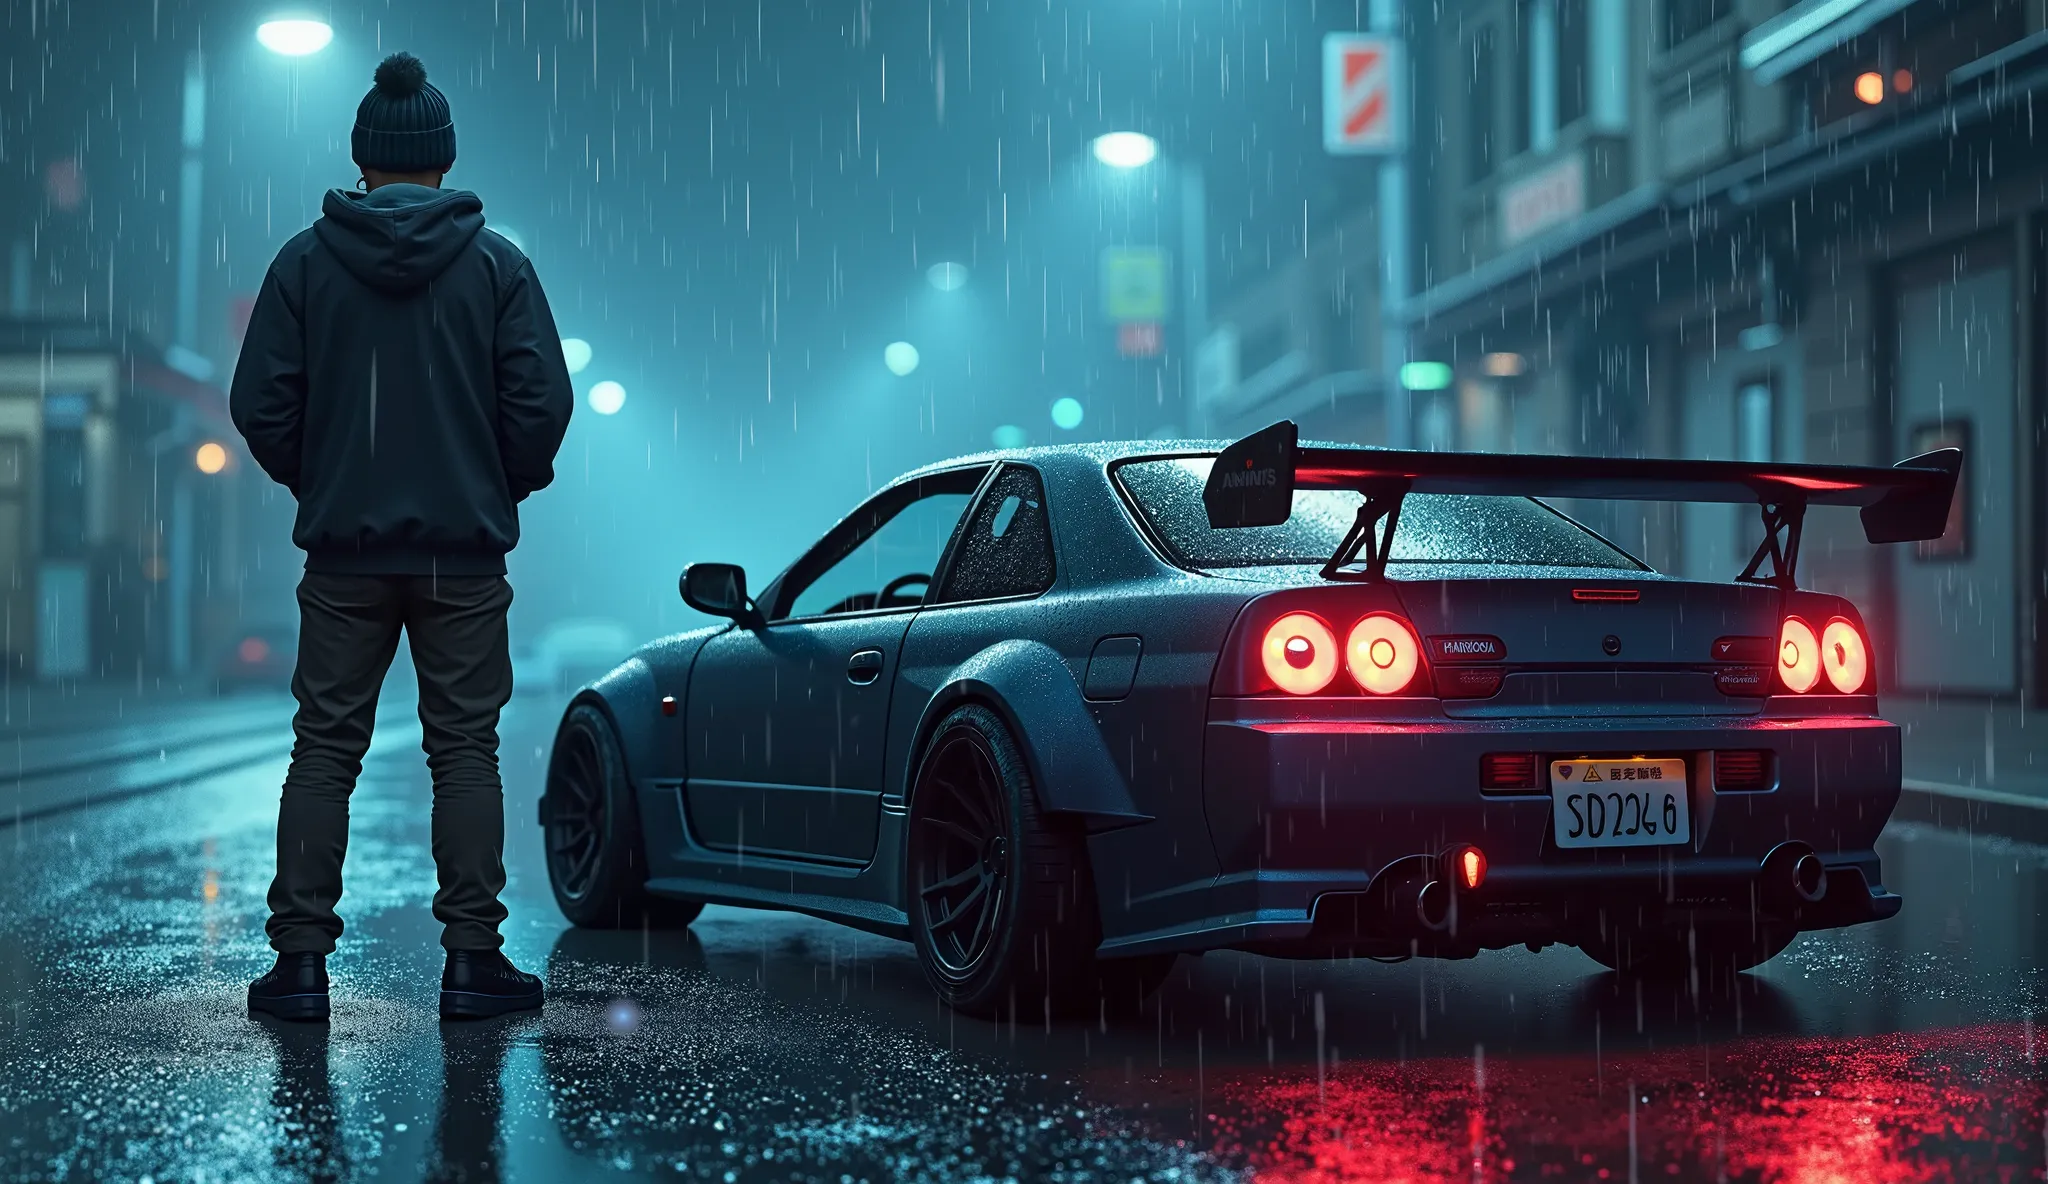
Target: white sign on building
column 1550, row 196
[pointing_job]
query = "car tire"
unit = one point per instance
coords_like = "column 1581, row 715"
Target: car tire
column 1000, row 897
column 1677, row 951
column 597, row 861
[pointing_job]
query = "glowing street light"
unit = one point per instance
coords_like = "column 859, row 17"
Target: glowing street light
column 900, row 357
column 1126, row 150
column 211, row 458
column 607, row 397
column 294, row 38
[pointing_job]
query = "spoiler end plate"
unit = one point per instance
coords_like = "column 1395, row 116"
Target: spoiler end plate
column 1252, row 481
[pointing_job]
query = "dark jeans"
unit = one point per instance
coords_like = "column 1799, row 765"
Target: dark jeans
column 348, row 633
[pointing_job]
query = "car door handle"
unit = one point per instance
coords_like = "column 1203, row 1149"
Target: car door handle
column 864, row 667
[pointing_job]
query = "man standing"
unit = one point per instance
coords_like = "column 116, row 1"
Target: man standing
column 402, row 376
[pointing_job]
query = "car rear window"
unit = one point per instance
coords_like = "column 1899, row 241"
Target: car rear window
column 1434, row 527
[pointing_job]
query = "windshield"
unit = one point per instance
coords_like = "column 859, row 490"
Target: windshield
column 1439, row 528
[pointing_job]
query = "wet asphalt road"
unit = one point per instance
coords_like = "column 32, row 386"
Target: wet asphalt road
column 762, row 1046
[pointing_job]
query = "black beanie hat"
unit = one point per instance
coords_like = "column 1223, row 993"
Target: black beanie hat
column 403, row 124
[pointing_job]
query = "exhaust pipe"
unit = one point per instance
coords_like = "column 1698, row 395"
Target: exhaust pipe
column 1809, row 878
column 1433, row 906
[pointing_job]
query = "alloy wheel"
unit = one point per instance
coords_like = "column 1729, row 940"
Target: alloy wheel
column 963, row 868
column 576, row 815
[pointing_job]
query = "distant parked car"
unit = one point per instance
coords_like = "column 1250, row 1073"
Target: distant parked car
column 262, row 656
column 569, row 653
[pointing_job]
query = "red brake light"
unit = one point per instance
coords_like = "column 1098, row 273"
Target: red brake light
column 1798, row 656
column 1299, row 653
column 252, row 650
column 1382, row 653
column 1845, row 656
column 1471, row 867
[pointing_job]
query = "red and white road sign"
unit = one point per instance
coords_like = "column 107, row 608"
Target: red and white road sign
column 1363, row 81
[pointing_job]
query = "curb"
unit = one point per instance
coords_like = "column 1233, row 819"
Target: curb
column 1969, row 808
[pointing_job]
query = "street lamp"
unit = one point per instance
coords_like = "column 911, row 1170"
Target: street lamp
column 294, row 38
column 1126, row 150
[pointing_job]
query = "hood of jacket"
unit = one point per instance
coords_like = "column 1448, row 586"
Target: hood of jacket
column 399, row 237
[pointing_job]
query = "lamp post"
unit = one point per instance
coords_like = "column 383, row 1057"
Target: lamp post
column 290, row 38
column 1128, row 151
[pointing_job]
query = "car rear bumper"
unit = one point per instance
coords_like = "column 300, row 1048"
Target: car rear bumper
column 1328, row 831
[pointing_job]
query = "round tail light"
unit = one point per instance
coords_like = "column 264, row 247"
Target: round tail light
column 1844, row 656
column 1299, row 653
column 1798, row 656
column 1382, row 653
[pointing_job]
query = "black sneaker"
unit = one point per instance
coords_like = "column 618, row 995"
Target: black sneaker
column 294, row 989
column 480, row 983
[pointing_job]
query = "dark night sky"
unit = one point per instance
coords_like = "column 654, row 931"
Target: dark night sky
column 734, row 202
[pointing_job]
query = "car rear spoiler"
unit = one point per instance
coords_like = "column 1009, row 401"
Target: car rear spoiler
column 1253, row 484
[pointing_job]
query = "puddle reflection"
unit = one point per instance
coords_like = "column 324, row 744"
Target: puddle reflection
column 1955, row 1104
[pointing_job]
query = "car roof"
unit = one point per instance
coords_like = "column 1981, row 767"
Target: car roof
column 1095, row 453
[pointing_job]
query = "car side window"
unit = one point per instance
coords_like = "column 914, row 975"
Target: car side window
column 1006, row 549
column 890, row 565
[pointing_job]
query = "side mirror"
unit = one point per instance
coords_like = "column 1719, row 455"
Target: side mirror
column 719, row 589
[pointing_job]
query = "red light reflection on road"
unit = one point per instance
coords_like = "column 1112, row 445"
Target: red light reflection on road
column 1953, row 1105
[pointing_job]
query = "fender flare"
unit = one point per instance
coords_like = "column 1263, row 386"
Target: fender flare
column 627, row 680
column 628, row 686
column 1030, row 687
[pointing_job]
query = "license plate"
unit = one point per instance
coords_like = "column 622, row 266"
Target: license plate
column 1615, row 803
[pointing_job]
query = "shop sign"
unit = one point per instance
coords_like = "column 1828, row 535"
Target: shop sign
column 1548, row 197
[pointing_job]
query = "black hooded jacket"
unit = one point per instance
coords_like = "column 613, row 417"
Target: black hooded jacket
column 403, row 377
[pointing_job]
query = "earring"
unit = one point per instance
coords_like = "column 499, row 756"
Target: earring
column 363, row 184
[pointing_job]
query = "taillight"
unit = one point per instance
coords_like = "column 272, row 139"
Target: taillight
column 1844, row 656
column 1382, row 653
column 1299, row 654
column 1742, row 769
column 1798, row 656
column 1509, row 771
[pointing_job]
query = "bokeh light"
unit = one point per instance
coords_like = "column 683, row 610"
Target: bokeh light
column 1067, row 413
column 211, row 458
column 607, row 397
column 1009, row 436
column 900, row 358
column 576, row 352
column 946, row 277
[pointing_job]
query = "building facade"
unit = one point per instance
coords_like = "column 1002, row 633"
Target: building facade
column 123, row 495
